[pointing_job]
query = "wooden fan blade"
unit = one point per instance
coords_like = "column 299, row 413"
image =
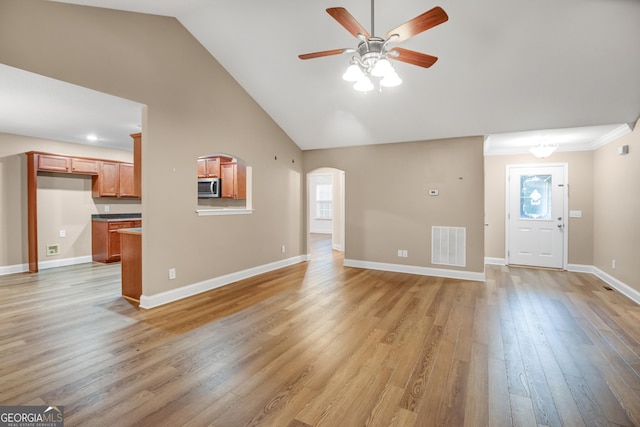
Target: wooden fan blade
column 347, row 20
column 420, row 23
column 324, row 53
column 413, row 57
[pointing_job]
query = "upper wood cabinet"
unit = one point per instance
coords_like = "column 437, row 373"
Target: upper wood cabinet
column 209, row 167
column 233, row 177
column 52, row 163
column 65, row 164
column 137, row 164
column 84, row 166
column 126, row 187
column 107, row 183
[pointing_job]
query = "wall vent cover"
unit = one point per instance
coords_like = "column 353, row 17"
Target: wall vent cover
column 448, row 246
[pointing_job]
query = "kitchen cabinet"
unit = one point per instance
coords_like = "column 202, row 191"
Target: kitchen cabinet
column 105, row 240
column 65, row 164
column 114, row 179
column 209, row 167
column 126, row 178
column 106, row 184
column 84, row 166
column 233, row 177
column 52, row 163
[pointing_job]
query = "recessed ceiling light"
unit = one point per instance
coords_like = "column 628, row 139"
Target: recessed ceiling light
column 92, row 137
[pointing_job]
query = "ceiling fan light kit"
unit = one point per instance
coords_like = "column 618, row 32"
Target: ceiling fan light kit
column 372, row 55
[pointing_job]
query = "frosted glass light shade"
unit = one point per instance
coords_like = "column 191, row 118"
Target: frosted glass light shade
column 363, row 85
column 543, row 150
column 382, row 68
column 353, row 73
column 391, row 80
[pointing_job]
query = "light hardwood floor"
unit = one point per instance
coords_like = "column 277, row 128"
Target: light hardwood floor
column 321, row 344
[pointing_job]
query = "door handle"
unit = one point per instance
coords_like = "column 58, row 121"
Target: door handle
column 560, row 225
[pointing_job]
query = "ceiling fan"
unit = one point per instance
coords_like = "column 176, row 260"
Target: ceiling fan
column 372, row 52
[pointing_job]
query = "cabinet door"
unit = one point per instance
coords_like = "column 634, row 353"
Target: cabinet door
column 213, row 167
column 126, row 181
column 202, row 168
column 227, row 178
column 106, row 183
column 234, row 181
column 84, row 166
column 51, row 163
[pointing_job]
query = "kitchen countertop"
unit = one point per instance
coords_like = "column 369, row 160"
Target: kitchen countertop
column 116, row 217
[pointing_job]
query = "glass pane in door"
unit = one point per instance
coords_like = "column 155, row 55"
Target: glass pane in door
column 535, row 197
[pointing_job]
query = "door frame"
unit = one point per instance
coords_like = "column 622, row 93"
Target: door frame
column 565, row 213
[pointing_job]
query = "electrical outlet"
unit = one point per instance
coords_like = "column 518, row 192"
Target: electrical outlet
column 172, row 273
column 283, row 249
column 405, row 253
column 106, row 208
column 400, row 252
column 63, row 233
column 613, row 264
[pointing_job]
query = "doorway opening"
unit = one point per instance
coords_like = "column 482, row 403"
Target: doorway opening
column 325, row 205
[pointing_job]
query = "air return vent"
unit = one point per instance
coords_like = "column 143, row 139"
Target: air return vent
column 448, row 245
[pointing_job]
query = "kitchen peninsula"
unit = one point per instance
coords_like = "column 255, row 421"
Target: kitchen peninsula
column 131, row 262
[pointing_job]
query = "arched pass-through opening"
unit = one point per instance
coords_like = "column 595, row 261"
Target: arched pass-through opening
column 224, row 185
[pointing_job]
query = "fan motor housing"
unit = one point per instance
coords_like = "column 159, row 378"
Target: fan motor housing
column 371, row 50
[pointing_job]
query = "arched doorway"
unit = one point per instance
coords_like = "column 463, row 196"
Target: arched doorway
column 325, row 205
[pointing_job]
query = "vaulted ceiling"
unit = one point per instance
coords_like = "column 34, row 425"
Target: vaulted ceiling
column 504, row 65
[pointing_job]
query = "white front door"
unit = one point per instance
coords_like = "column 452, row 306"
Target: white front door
column 536, row 200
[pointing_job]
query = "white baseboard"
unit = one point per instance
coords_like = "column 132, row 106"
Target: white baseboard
column 13, row 269
column 162, row 298
column 412, row 269
column 43, row 265
column 495, row 261
column 619, row 286
column 581, row 268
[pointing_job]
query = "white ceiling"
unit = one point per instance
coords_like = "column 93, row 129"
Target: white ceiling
column 505, row 66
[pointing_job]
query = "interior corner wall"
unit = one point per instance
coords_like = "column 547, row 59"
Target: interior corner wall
column 581, row 197
column 617, row 224
column 387, row 202
column 194, row 107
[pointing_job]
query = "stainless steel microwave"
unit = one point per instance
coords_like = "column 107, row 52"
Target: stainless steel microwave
column 208, row 188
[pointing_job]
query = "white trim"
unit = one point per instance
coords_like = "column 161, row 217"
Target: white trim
column 13, row 269
column 223, row 211
column 413, row 269
column 621, row 287
column 495, row 261
column 43, row 265
column 337, row 247
column 162, row 298
column 581, row 268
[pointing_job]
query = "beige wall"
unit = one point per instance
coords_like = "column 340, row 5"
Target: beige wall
column 193, row 108
column 617, row 223
column 64, row 201
column 387, row 205
column 580, row 164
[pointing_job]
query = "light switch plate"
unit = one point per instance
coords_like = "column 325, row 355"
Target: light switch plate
column 575, row 214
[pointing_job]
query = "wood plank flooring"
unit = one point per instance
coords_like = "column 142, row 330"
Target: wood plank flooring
column 318, row 344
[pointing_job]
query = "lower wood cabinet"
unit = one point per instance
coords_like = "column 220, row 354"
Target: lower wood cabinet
column 105, row 240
